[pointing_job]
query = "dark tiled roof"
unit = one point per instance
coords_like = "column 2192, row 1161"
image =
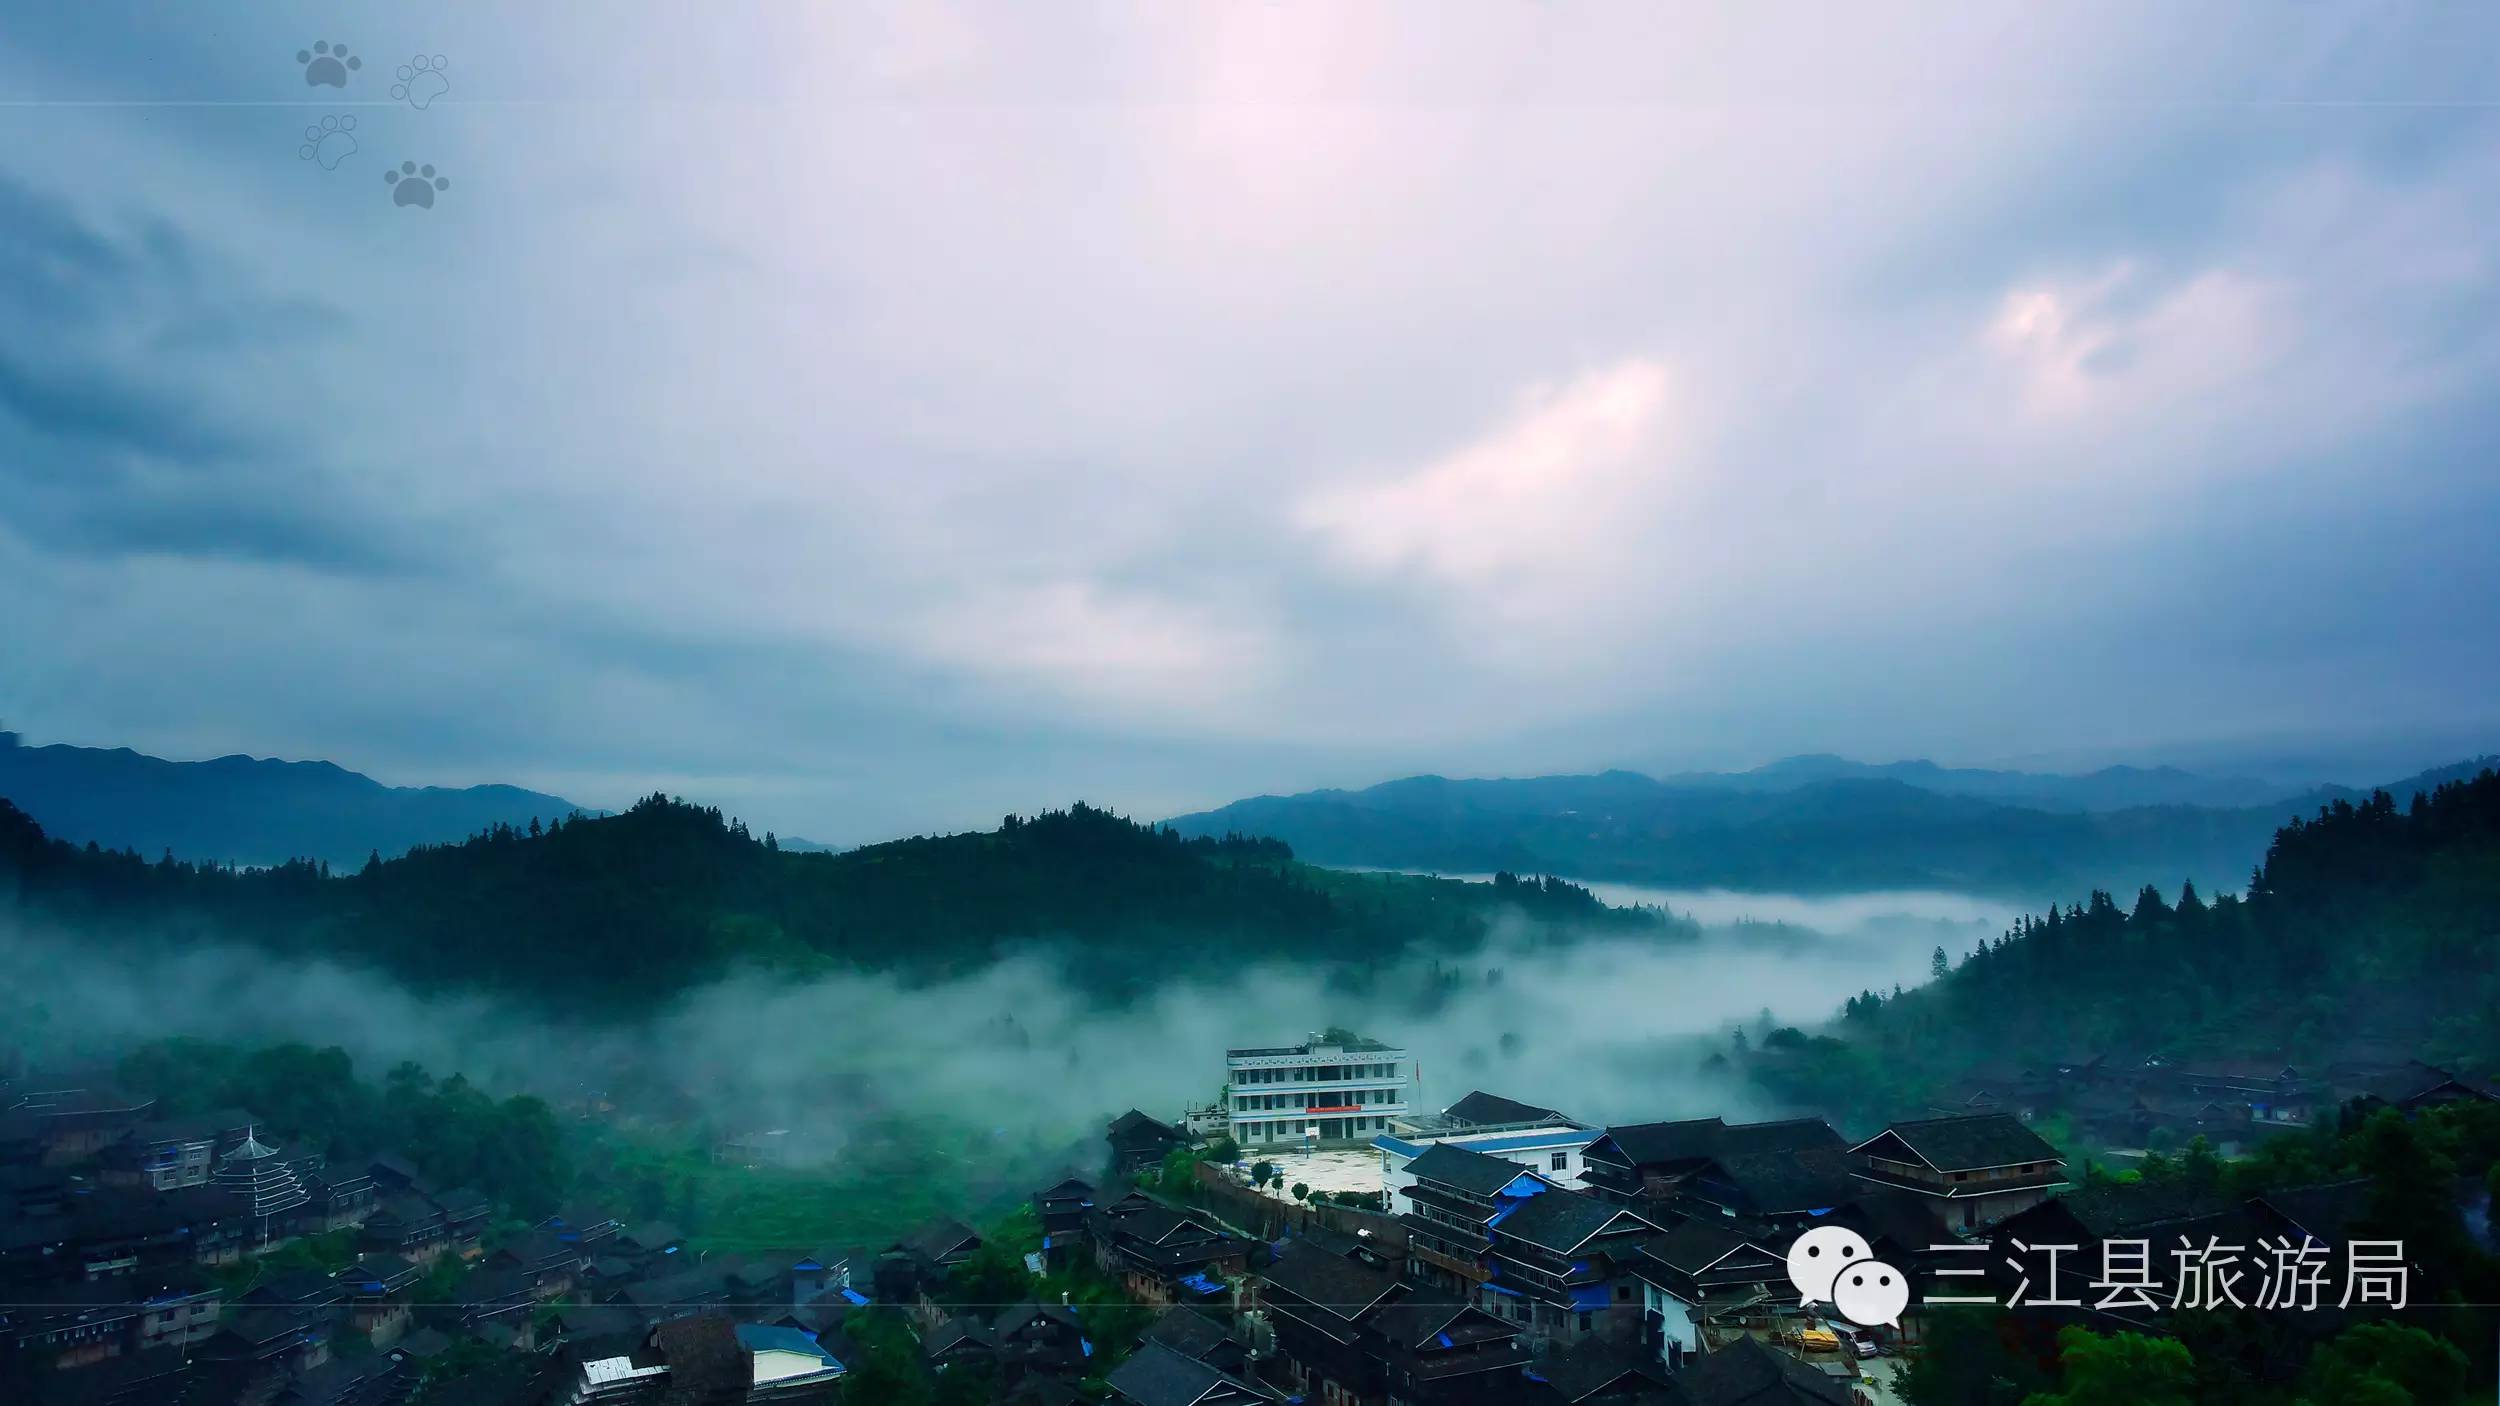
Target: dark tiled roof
column 2324, row 1211
column 194, row 1127
column 1648, row 1144
column 1560, row 1221
column 941, row 1238
column 958, row 1332
column 1414, row 1320
column 1782, row 1182
column 1018, row 1315
column 1464, row 1168
column 1902, row 1218
column 1133, row 1122
column 1747, row 1373
column 462, row 1203
column 1656, row 1144
column 1969, row 1143
column 1482, row 1107
column 1597, row 1364
column 705, row 1359
column 1155, row 1375
column 2120, row 1210
column 1188, row 1332
column 1342, row 1286
column 1785, row 1135
column 1692, row 1245
column 2416, row 1079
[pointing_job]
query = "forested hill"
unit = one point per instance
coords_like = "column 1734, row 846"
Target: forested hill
column 625, row 909
column 2373, row 923
column 1808, row 824
column 246, row 810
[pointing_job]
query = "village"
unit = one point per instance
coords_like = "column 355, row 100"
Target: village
column 1311, row 1237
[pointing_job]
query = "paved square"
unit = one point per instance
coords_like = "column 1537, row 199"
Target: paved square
column 1333, row 1169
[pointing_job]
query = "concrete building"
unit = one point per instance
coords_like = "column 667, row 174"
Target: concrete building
column 1331, row 1090
column 1539, row 1139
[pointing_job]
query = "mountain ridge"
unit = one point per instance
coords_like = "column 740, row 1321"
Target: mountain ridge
column 1813, row 822
column 241, row 809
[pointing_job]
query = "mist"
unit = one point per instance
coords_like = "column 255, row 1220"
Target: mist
column 1604, row 1027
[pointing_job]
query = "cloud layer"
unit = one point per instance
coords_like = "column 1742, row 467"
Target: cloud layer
column 878, row 419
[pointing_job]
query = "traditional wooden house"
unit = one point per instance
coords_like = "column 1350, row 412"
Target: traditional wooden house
column 1980, row 1169
column 1061, row 1208
column 465, row 1213
column 1193, row 1333
column 1747, row 1372
column 405, row 1224
column 2416, row 1086
column 1698, row 1269
column 1139, row 1142
column 1155, row 1375
column 378, row 1289
column 1030, row 1339
column 1533, row 1252
column 1651, row 1161
column 1162, row 1255
column 75, row 1120
column 1781, row 1190
column 167, row 1154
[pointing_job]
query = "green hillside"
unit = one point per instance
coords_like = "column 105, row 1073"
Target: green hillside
column 617, row 910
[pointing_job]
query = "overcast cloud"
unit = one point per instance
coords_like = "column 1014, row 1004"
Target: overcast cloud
column 876, row 419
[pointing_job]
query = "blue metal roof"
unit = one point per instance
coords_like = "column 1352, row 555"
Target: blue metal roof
column 759, row 1337
column 1509, row 1142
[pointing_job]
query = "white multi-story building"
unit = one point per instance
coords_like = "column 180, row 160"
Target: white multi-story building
column 1538, row 1139
column 1318, row 1093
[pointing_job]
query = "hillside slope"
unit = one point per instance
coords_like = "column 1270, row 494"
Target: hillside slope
column 629, row 909
column 1808, row 824
column 247, row 810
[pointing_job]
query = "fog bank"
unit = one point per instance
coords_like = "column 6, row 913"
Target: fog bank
column 1607, row 1028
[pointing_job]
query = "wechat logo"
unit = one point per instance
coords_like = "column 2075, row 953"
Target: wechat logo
column 1833, row 1264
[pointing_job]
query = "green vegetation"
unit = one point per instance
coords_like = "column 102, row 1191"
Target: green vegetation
column 624, row 911
column 890, row 1370
column 1812, row 823
column 889, row 1174
column 511, row 1150
column 2121, row 1369
column 1982, row 1357
column 2369, row 917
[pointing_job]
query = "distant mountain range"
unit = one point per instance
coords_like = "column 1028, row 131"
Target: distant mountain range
column 1812, row 822
column 247, row 810
column 1804, row 823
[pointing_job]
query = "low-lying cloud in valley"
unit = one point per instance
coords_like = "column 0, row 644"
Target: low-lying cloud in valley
column 1607, row 1028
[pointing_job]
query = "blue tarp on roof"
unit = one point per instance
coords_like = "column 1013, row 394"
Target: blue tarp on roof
column 855, row 1296
column 1200, row 1284
column 759, row 1337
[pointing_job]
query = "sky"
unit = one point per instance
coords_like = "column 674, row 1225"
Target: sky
column 875, row 419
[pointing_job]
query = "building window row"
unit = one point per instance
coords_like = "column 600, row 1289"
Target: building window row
column 1252, row 1103
column 1317, row 1074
